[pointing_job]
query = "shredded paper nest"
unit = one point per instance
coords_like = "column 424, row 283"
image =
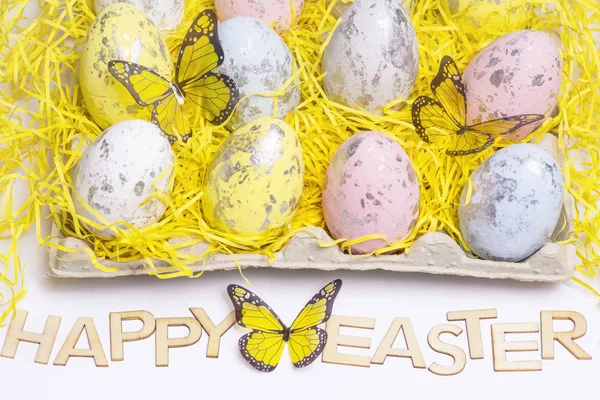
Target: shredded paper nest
column 45, row 123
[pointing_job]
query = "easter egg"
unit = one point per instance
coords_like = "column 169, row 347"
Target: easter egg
column 119, row 32
column 372, row 58
column 166, row 14
column 515, row 202
column 518, row 73
column 340, row 6
column 120, row 170
column 371, row 188
column 258, row 61
column 256, row 179
column 488, row 13
column 267, row 11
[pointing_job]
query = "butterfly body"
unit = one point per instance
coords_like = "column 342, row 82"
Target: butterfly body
column 448, row 113
column 179, row 95
column 194, row 84
column 263, row 346
column 286, row 334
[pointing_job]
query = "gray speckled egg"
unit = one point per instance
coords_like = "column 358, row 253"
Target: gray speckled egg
column 119, row 171
column 259, row 62
column 516, row 200
column 373, row 57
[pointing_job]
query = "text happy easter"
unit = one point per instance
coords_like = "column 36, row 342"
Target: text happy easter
column 333, row 353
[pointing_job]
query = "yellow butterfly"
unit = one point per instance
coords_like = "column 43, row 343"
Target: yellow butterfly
column 449, row 114
column 200, row 53
column 262, row 347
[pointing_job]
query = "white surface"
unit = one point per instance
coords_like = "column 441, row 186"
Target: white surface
column 383, row 295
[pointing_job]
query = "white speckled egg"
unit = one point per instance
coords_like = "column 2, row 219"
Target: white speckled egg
column 119, row 171
column 516, row 200
column 341, row 5
column 371, row 188
column 166, row 14
column 259, row 62
column 519, row 73
column 267, row 11
column 373, row 57
column 255, row 181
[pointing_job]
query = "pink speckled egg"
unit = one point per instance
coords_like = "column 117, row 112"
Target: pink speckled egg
column 518, row 73
column 268, row 11
column 371, row 188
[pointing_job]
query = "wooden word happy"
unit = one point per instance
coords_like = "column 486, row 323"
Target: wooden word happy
column 159, row 327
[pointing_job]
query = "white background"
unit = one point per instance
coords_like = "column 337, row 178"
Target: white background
column 381, row 295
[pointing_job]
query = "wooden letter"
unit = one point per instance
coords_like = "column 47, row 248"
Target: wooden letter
column 564, row 338
column 459, row 356
column 412, row 351
column 118, row 337
column 472, row 320
column 95, row 351
column 334, row 339
column 500, row 347
column 16, row 334
column 214, row 332
column 164, row 343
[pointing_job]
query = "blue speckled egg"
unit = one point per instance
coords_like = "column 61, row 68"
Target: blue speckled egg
column 515, row 204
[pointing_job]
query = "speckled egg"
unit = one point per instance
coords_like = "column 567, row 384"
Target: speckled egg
column 372, row 58
column 519, row 73
column 166, row 14
column 259, row 62
column 511, row 15
column 371, row 188
column 119, row 32
column 120, row 170
column 515, row 203
column 256, row 179
column 267, row 11
column 341, row 5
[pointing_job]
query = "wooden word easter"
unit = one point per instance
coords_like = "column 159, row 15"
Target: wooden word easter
column 159, row 327
column 472, row 318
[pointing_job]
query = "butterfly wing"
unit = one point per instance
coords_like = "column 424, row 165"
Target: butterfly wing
column 252, row 312
column 306, row 340
column 262, row 350
column 145, row 85
column 449, row 89
column 318, row 309
column 263, row 346
column 431, row 120
column 201, row 50
column 481, row 136
column 507, row 125
column 470, row 142
column 306, row 345
column 216, row 94
column 169, row 116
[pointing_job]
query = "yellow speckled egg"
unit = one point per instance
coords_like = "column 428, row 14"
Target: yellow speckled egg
column 119, row 32
column 255, row 181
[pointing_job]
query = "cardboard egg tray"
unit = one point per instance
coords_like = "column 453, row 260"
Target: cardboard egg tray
column 432, row 253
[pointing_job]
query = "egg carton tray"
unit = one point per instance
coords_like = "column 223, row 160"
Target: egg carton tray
column 432, row 253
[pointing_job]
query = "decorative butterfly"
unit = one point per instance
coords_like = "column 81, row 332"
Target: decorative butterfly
column 449, row 113
column 200, row 53
column 262, row 347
